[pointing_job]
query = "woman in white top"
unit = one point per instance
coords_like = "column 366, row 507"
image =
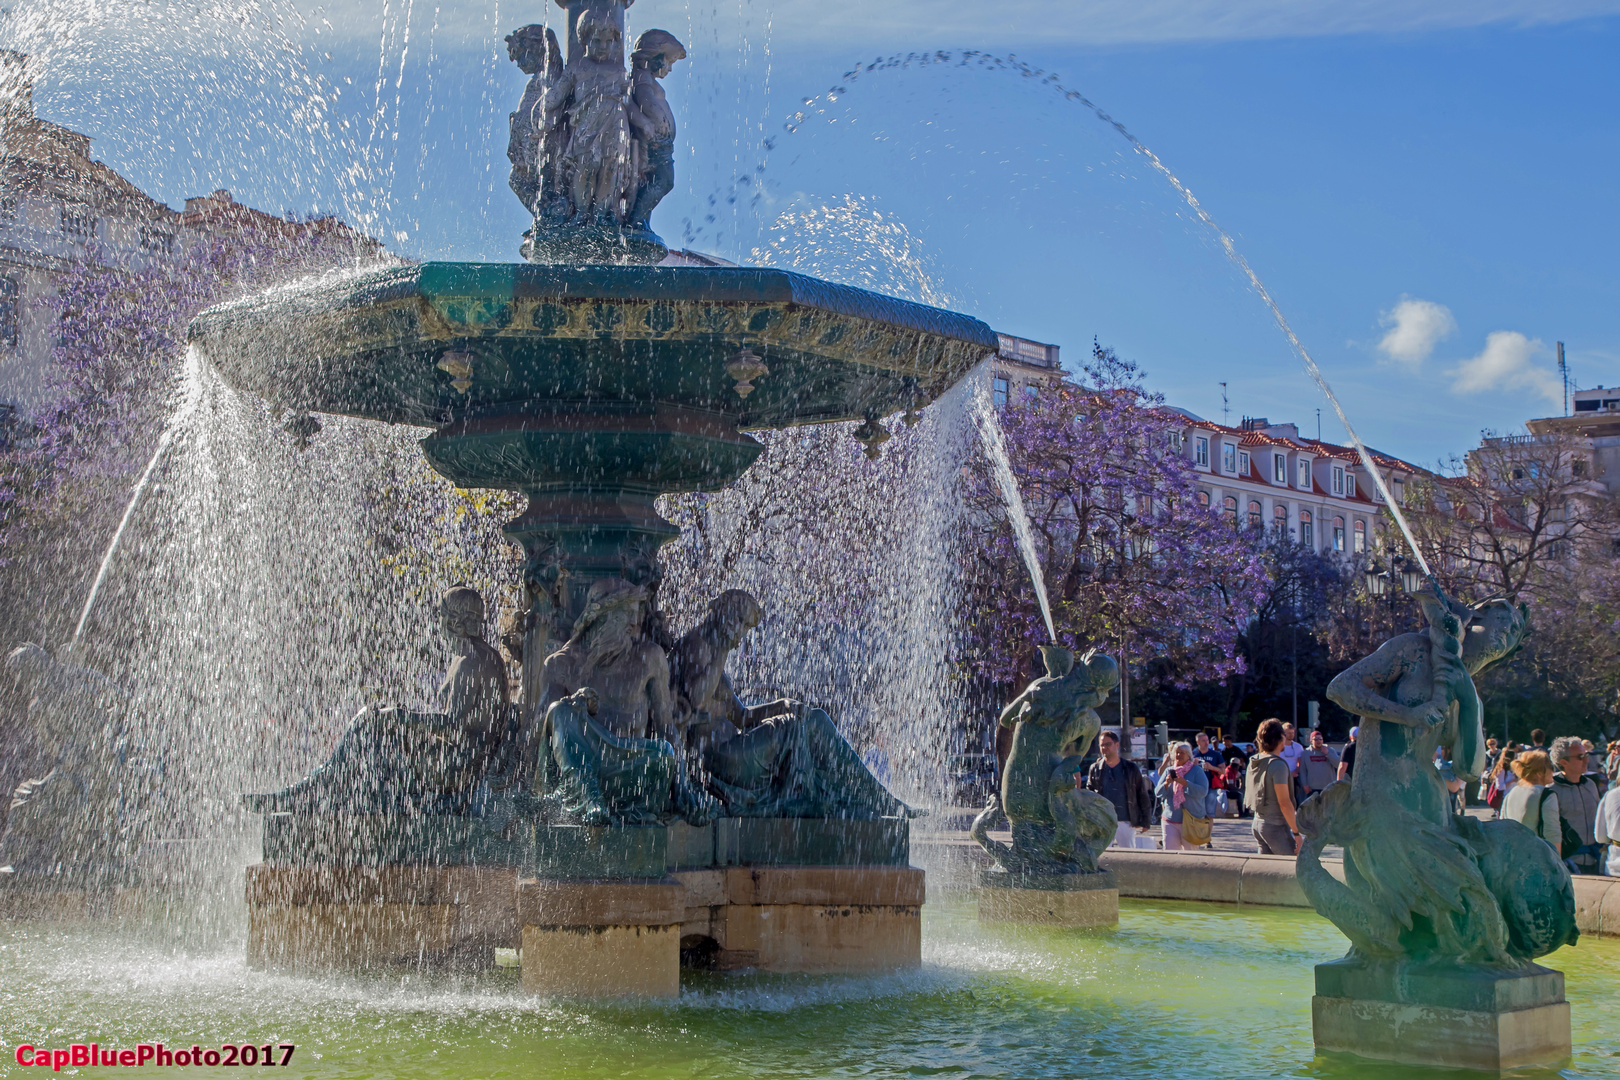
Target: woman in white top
column 1607, row 829
column 1532, row 801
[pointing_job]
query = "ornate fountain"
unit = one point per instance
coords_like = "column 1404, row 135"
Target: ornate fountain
column 626, row 809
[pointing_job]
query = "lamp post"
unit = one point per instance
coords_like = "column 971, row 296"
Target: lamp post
column 1381, row 582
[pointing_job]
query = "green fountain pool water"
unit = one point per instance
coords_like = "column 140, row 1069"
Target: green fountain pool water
column 1177, row 990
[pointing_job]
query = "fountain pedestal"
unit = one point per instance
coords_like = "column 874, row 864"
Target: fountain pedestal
column 1070, row 900
column 602, row 938
column 323, row 917
column 820, row 919
column 596, row 911
column 1449, row 1016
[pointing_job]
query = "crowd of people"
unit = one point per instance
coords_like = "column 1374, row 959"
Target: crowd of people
column 1567, row 792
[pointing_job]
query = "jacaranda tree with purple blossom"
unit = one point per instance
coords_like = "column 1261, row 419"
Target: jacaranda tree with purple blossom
column 1133, row 564
column 65, row 473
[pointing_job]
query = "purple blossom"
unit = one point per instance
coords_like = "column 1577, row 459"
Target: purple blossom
column 1133, row 564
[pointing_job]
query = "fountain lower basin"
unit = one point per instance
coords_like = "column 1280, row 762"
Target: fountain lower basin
column 1034, row 1001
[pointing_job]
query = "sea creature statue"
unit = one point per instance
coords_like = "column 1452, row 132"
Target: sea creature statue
column 1423, row 885
column 397, row 759
column 81, row 824
column 1057, row 827
column 777, row 759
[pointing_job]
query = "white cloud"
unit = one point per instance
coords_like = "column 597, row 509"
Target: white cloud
column 1415, row 328
column 1508, row 362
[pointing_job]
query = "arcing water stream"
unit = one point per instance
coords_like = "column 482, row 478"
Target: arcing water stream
column 984, row 416
column 1013, row 65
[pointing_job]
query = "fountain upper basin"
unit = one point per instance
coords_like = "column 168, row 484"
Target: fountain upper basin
column 592, row 389
column 372, row 345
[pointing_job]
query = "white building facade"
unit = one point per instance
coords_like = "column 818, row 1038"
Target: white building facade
column 1267, row 475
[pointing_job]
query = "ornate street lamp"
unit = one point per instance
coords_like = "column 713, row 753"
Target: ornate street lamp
column 1381, row 582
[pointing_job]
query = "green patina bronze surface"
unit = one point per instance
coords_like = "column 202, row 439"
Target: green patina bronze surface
column 562, row 338
column 1057, row 829
column 1423, row 884
column 581, row 851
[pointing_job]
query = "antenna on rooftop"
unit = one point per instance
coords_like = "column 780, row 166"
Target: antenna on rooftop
column 1318, row 425
column 1226, row 408
column 1563, row 373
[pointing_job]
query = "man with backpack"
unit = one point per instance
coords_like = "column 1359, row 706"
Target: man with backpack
column 1577, row 805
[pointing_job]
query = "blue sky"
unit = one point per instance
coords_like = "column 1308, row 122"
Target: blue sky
column 1425, row 188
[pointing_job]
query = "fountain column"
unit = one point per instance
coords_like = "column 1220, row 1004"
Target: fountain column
column 591, row 472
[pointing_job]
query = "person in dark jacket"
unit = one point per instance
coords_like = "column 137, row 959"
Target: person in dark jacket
column 1119, row 781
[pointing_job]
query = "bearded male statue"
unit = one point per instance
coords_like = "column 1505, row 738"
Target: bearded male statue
column 399, row 759
column 599, row 735
column 777, row 759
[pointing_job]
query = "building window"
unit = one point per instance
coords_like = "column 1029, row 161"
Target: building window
column 1306, row 537
column 8, row 208
column 1228, row 458
column 1338, row 534
column 1203, row 500
column 1338, row 480
column 1279, row 516
column 1349, row 485
column 1577, row 467
column 78, row 221
column 1360, row 539
column 1173, row 440
column 1001, row 391
column 1201, row 451
column 1243, row 463
column 1304, row 474
column 1400, row 490
column 9, row 295
column 157, row 241
column 1254, row 515
column 1031, row 392
column 1229, row 504
column 1279, row 468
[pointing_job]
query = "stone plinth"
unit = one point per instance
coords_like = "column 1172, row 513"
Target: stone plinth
column 1072, row 900
column 1473, row 1018
column 303, row 918
column 775, row 894
column 29, row 902
column 602, row 938
column 825, row 919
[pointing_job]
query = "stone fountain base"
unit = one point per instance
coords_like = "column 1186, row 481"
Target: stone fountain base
column 1070, row 900
column 1469, row 1018
column 595, row 912
column 310, row 919
column 826, row 919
